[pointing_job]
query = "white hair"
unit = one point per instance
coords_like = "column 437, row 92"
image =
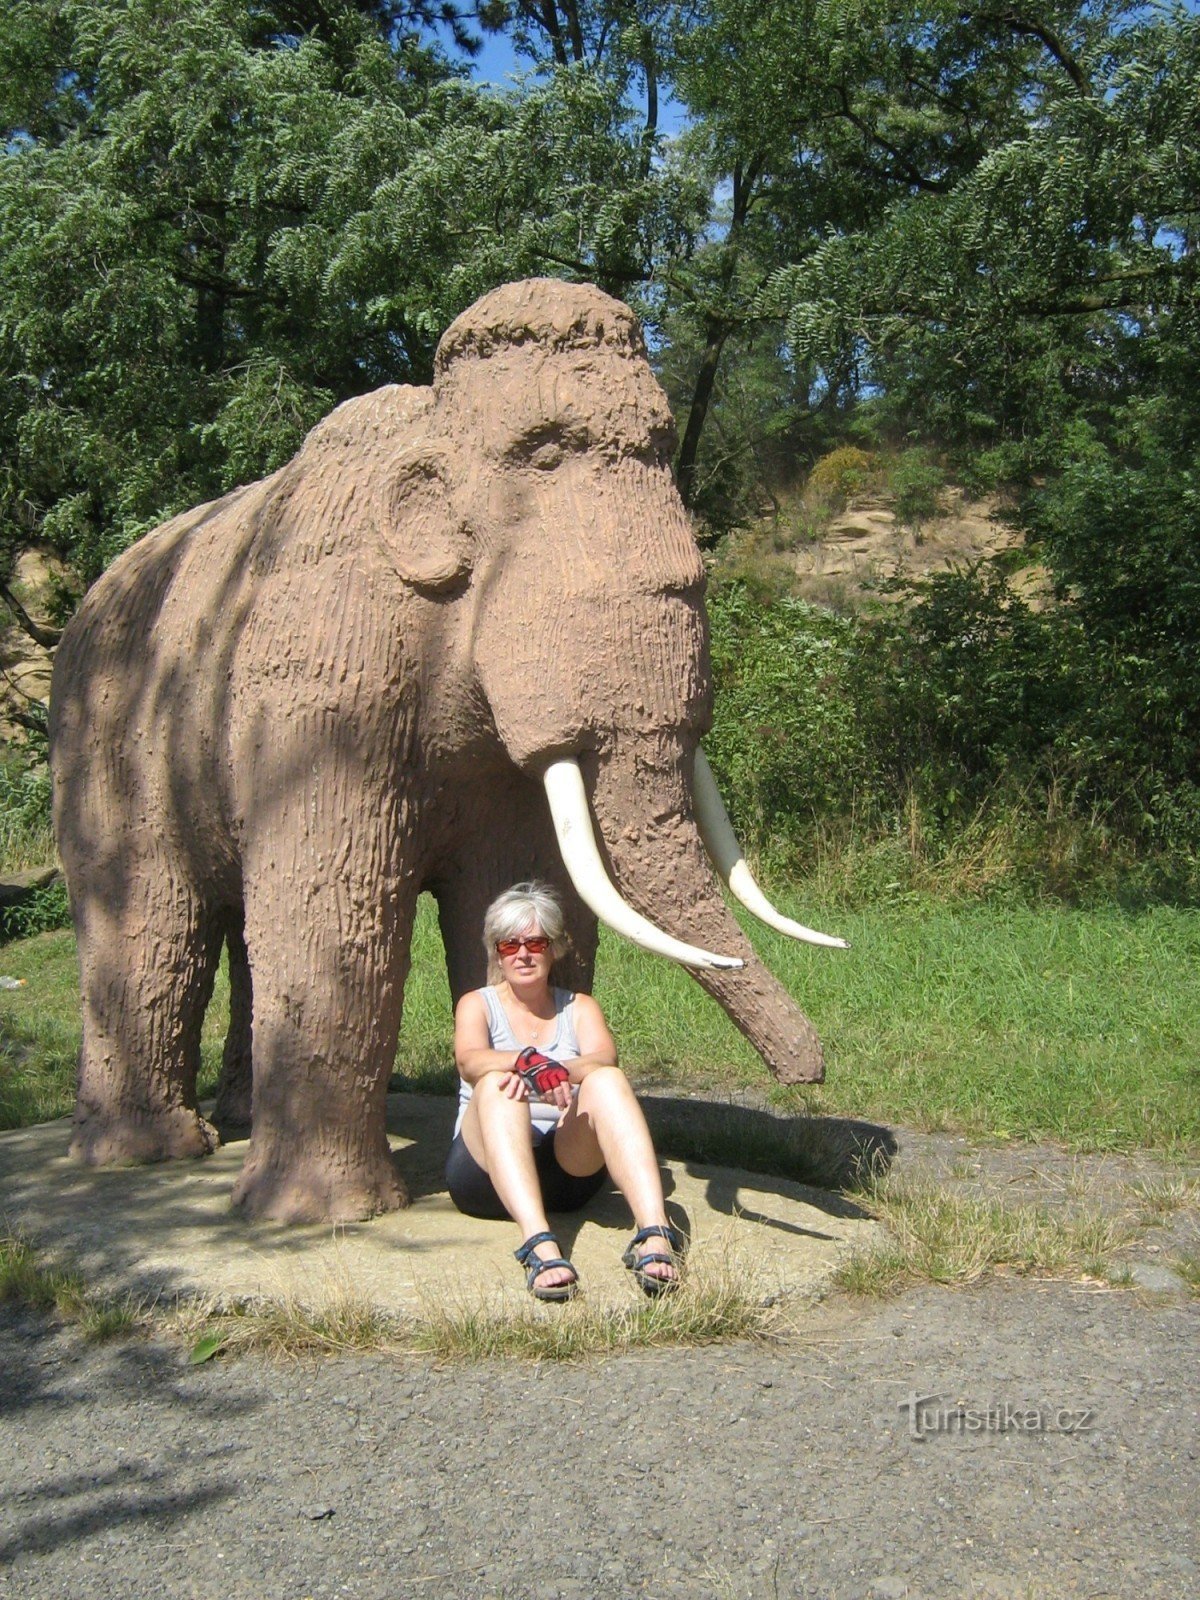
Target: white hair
column 514, row 912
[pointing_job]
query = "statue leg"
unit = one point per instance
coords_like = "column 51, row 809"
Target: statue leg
column 232, row 1111
column 148, row 950
column 327, row 933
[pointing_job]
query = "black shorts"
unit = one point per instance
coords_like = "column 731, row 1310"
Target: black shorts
column 473, row 1192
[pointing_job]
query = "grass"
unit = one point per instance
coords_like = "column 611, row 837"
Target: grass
column 1003, row 1022
column 28, row 1280
column 1188, row 1268
column 937, row 1236
column 285, row 1327
column 999, row 1021
column 718, row 1301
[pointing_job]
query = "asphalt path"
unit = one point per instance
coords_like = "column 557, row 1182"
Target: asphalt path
column 1017, row 1439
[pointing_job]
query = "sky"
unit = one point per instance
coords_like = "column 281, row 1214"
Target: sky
column 497, row 64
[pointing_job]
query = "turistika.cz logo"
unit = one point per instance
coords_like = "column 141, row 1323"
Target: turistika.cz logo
column 932, row 1414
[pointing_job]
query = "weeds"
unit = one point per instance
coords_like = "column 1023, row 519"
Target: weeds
column 27, row 1280
column 1159, row 1198
column 936, row 1236
column 718, row 1301
column 1188, row 1268
column 38, row 911
column 285, row 1327
column 26, row 835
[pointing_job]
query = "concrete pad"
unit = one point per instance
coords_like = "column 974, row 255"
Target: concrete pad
column 169, row 1229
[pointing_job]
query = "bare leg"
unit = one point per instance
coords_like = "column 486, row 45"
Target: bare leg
column 606, row 1125
column 497, row 1132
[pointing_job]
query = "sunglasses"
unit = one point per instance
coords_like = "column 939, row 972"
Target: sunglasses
column 537, row 944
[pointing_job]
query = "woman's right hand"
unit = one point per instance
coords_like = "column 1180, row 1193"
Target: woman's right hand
column 513, row 1085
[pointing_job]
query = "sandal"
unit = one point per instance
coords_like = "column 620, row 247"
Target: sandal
column 535, row 1265
column 648, row 1282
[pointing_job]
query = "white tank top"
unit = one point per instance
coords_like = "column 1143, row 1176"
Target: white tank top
column 564, row 1046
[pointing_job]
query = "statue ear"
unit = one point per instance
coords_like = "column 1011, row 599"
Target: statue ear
column 426, row 538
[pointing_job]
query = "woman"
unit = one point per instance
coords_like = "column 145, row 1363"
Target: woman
column 545, row 1114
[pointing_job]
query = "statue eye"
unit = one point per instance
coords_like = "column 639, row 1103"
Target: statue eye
column 546, row 457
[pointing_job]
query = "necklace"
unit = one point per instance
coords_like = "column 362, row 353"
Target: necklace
column 529, row 1023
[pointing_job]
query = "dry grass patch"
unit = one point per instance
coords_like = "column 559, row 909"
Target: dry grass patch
column 28, row 1280
column 286, row 1327
column 1188, row 1268
column 719, row 1300
column 1156, row 1199
column 937, row 1236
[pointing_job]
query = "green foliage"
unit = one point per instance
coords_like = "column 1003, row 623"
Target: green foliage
column 26, row 838
column 1123, row 530
column 42, row 910
column 787, row 741
column 841, row 474
column 917, row 483
column 969, row 688
column 232, row 228
column 962, row 727
column 1036, row 223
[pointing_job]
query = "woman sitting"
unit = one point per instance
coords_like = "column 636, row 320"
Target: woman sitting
column 544, row 1113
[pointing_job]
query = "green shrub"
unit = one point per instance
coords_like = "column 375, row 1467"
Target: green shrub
column 41, row 911
column 916, row 483
column 26, row 834
column 951, row 744
column 841, row 474
column 787, row 739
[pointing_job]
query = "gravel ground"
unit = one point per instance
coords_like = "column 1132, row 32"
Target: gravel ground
column 742, row 1471
column 1053, row 1450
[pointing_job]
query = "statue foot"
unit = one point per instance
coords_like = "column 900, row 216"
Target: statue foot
column 318, row 1190
column 134, row 1139
column 231, row 1115
column 235, row 1093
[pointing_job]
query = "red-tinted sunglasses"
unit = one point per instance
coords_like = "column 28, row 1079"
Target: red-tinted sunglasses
column 537, row 944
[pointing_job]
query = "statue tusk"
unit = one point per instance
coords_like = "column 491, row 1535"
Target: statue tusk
column 721, row 843
column 577, row 842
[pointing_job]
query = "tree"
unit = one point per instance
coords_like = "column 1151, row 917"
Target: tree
column 938, row 200
column 214, row 227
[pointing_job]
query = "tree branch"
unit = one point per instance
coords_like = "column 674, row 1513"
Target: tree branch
column 587, row 271
column 1012, row 19
column 908, row 173
column 46, row 637
column 221, row 286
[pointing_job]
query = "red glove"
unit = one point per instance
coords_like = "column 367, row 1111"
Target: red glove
column 540, row 1074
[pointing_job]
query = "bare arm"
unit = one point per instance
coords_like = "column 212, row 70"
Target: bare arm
column 473, row 1053
column 475, row 1057
column 596, row 1045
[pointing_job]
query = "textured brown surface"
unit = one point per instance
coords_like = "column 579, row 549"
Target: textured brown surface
column 281, row 716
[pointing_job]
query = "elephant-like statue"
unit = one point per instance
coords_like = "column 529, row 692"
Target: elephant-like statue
column 461, row 624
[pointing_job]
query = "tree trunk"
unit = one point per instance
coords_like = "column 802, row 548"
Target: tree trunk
column 717, row 329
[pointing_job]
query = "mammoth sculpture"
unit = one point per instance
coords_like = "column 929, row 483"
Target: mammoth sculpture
column 461, row 624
